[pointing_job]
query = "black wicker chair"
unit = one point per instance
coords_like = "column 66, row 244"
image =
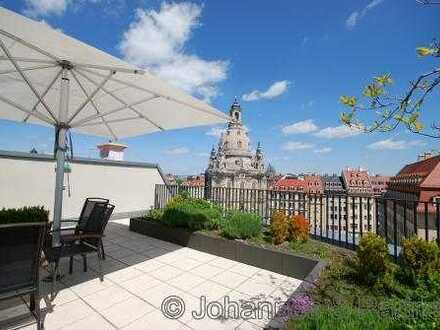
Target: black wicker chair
column 20, row 253
column 85, row 239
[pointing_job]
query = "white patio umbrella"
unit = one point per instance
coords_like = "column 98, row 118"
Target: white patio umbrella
column 51, row 79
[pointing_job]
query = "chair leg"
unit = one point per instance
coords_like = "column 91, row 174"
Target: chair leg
column 35, row 308
column 84, row 262
column 54, row 278
column 101, row 275
column 32, row 302
column 102, row 250
column 70, row 265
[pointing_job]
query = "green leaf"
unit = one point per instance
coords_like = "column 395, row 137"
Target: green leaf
column 384, row 79
column 349, row 101
column 373, row 90
column 424, row 51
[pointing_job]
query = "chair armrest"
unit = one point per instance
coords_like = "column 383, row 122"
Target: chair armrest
column 77, row 237
column 69, row 220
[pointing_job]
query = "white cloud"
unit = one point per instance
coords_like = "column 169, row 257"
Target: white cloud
column 306, row 126
column 215, row 132
column 355, row 16
column 156, row 41
column 36, row 8
column 39, row 8
column 324, row 150
column 352, row 20
column 276, row 89
column 390, row 144
column 178, row 151
column 292, row 146
column 338, row 132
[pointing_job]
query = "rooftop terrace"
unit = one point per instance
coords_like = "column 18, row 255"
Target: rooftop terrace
column 140, row 272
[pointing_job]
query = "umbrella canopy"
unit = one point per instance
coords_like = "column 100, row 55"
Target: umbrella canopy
column 51, row 79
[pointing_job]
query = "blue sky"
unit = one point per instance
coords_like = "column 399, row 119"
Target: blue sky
column 287, row 61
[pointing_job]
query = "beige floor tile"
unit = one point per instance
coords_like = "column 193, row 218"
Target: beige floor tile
column 186, row 263
column 207, row 271
column 245, row 270
column 127, row 311
column 149, row 265
column 186, row 281
column 229, row 279
column 105, row 298
column 213, row 324
column 254, row 288
column 155, row 320
column 124, row 274
column 269, row 278
column 223, row 263
column 67, row 314
column 84, row 285
column 211, row 290
column 157, row 294
column 94, row 321
column 166, row 273
column 139, row 286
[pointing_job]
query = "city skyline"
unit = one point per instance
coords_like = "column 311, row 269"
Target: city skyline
column 288, row 75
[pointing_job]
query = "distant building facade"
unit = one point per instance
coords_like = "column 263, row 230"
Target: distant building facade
column 333, row 184
column 233, row 164
column 415, row 193
column 379, row 184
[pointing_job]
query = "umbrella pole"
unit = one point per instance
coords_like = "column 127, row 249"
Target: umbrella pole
column 60, row 148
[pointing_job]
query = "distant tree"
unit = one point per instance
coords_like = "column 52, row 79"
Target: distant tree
column 390, row 111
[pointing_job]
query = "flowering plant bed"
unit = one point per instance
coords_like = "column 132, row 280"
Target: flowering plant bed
column 269, row 258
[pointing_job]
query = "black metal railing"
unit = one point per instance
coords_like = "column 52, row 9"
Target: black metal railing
column 335, row 218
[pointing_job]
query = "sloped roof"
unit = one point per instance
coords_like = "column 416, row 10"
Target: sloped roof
column 422, row 168
column 286, row 183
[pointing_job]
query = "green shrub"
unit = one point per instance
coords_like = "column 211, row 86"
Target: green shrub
column 341, row 318
column 426, row 288
column 372, row 259
column 25, row 214
column 279, row 226
column 241, row 225
column 191, row 213
column 413, row 315
column 155, row 214
column 419, row 257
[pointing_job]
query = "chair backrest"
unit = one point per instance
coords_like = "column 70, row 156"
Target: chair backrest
column 98, row 221
column 20, row 253
column 87, row 209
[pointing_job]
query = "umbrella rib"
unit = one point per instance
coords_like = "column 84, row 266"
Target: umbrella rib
column 93, row 117
column 25, row 59
column 93, row 104
column 44, row 93
column 13, row 37
column 90, row 97
column 225, row 117
column 14, row 63
column 112, row 121
column 21, row 108
column 107, row 68
column 30, row 68
column 123, row 102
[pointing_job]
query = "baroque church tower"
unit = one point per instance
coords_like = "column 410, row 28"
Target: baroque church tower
column 233, row 164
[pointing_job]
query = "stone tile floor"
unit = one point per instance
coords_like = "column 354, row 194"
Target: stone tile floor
column 140, row 272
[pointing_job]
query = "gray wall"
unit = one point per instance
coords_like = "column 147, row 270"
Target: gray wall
column 27, row 180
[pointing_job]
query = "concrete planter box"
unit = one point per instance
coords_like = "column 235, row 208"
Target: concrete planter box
column 270, row 259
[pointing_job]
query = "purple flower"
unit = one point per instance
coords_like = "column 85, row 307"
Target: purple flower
column 296, row 305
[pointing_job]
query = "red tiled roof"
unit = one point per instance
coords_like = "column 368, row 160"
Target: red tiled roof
column 194, row 183
column 422, row 168
column 285, row 183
